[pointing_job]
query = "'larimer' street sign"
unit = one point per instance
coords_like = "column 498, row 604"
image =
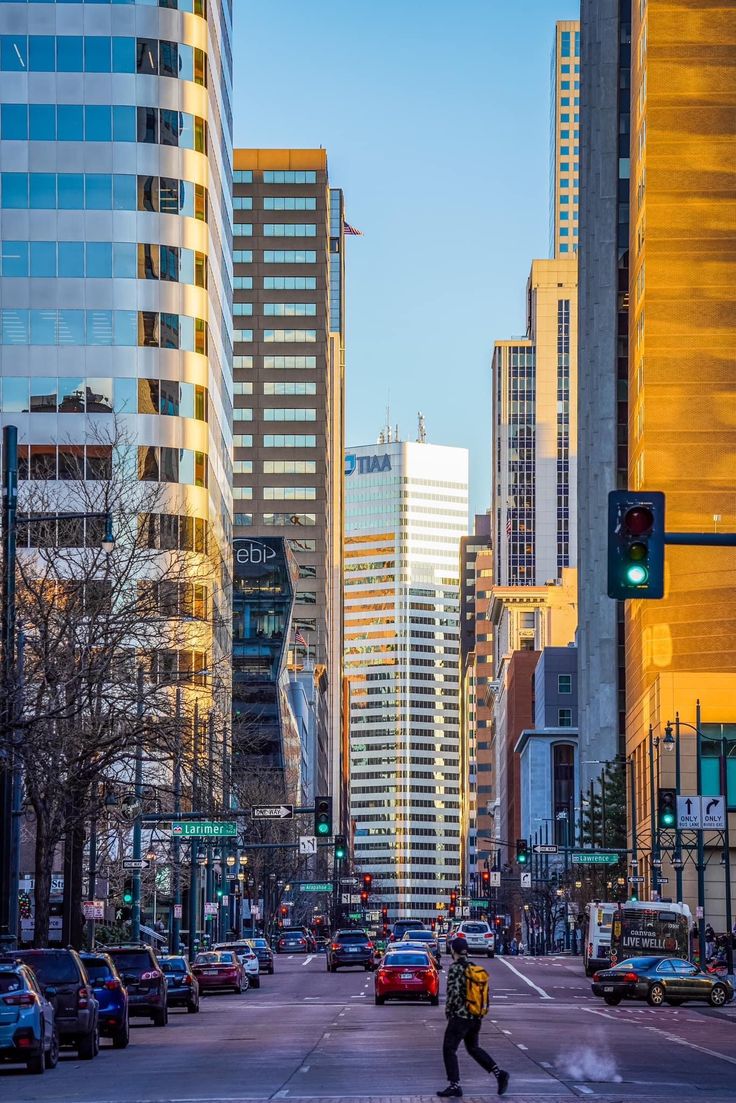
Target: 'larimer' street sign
column 200, row 829
column 593, row 858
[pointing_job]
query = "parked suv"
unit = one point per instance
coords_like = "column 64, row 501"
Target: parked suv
column 27, row 1031
column 142, row 976
column 478, row 935
column 111, row 995
column 62, row 977
column 349, row 948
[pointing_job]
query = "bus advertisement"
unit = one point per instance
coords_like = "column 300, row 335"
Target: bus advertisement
column 646, row 927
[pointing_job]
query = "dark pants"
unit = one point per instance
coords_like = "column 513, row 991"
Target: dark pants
column 464, row 1030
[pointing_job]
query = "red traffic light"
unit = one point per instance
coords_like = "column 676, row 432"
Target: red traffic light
column 284, row 910
column 486, row 877
column 364, row 897
column 453, row 897
column 638, row 520
column 367, row 881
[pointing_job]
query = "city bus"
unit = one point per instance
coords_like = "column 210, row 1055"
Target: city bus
column 650, row 927
column 597, row 936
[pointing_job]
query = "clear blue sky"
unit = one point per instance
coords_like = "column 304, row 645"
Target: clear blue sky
column 435, row 117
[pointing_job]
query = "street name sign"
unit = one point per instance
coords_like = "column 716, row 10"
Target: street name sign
column 663, row 880
column 273, row 812
column 201, row 829
column 545, row 848
column 480, row 902
column 135, row 863
column 593, row 858
column 688, row 813
column 315, row 886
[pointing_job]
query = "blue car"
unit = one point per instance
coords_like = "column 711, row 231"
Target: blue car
column 28, row 1033
column 112, row 996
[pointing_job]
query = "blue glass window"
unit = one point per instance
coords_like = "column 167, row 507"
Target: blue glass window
column 68, row 54
column 123, row 124
column 14, row 121
column 186, row 334
column 123, row 55
column 126, row 396
column 97, row 54
column 71, row 327
column 186, row 130
column 15, row 258
column 97, row 123
column 124, row 193
column 14, row 53
column 124, row 260
column 42, row 53
column 99, row 259
column 168, row 59
column 98, row 191
column 43, row 327
column 15, row 328
column 15, row 392
column 186, row 62
column 43, row 191
column 69, row 122
column 126, row 327
column 99, row 327
column 71, row 191
column 71, row 258
column 565, row 43
column 43, row 258
column 186, row 198
column 42, row 122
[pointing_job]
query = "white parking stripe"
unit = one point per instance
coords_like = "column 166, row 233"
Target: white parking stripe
column 543, row 995
column 307, row 959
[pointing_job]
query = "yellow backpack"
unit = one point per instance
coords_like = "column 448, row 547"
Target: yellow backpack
column 476, row 990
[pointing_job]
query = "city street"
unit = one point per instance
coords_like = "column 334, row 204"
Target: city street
column 308, row 1034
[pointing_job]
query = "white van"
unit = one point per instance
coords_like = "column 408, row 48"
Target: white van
column 597, row 936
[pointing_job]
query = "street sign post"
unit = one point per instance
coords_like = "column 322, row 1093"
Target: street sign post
column 526, row 880
column 545, row 848
column 307, row 844
column 135, row 863
column 688, row 813
column 201, row 829
column 712, row 813
column 637, row 880
column 273, row 812
column 93, row 909
column 593, row 858
column 495, row 881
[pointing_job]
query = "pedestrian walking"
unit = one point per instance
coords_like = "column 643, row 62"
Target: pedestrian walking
column 465, row 1006
column 710, row 942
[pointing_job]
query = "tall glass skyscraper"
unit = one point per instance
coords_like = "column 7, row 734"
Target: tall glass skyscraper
column 116, row 228
column 406, row 510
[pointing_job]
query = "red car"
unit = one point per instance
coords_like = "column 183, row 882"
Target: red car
column 407, row 974
column 219, row 969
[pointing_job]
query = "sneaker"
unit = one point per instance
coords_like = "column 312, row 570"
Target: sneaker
column 452, row 1091
column 503, row 1082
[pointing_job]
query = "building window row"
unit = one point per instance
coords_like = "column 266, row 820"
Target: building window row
column 195, row 7
column 289, row 283
column 172, row 465
column 42, row 53
column 289, row 229
column 289, row 256
column 102, row 260
column 69, row 122
column 289, row 310
column 174, row 599
column 174, row 532
column 290, row 336
column 102, row 191
column 96, row 395
column 142, row 328
column 290, row 203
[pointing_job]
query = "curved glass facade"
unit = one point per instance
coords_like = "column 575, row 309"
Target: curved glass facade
column 116, row 230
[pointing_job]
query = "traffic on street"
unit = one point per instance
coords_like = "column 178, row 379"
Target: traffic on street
column 309, row 1033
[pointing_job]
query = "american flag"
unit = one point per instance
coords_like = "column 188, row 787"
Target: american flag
column 299, row 638
column 508, row 522
column 348, row 229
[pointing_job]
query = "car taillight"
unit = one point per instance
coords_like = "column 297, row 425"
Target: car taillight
column 112, row 984
column 369, row 945
column 188, row 978
column 21, row 999
column 82, row 997
column 381, row 974
column 488, row 934
column 596, row 977
column 335, row 946
column 631, row 976
column 152, row 974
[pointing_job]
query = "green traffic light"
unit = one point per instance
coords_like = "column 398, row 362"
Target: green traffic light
column 668, row 819
column 127, row 897
column 636, row 574
column 522, row 859
column 323, row 828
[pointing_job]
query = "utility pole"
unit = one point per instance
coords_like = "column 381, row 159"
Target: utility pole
column 16, row 802
column 135, row 919
column 175, row 924
column 701, row 836
column 193, row 868
column 9, row 515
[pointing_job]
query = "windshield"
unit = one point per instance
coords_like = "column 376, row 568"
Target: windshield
column 398, row 960
column 358, row 936
column 474, row 928
column 636, row 963
column 10, row 982
column 98, row 970
column 131, row 961
column 173, row 965
column 418, row 936
column 52, row 968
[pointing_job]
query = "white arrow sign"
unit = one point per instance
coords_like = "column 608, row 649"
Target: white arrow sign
column 495, row 878
column 526, row 880
column 712, row 813
column 307, row 844
column 135, row 863
column 688, row 813
column 274, row 812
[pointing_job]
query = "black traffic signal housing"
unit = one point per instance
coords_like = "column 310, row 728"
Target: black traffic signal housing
column 451, row 911
column 364, row 897
column 453, row 897
column 323, row 817
column 384, row 914
column 341, row 848
column 522, row 851
column 636, row 535
column 667, row 808
column 485, row 879
column 367, row 882
column 128, row 892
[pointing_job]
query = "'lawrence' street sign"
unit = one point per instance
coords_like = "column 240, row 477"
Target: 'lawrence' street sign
column 593, row 858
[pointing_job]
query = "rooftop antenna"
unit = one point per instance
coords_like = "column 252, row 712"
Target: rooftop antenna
column 422, row 438
column 384, row 437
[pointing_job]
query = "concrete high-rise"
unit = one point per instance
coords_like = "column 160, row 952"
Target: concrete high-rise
column 288, row 380
column 116, row 152
column 406, row 512
column 534, row 431
column 564, row 139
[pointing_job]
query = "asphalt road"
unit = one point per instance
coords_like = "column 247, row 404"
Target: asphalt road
column 309, row 1034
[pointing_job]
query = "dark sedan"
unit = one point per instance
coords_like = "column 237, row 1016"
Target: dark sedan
column 264, row 953
column 295, row 940
column 660, row 980
column 182, row 987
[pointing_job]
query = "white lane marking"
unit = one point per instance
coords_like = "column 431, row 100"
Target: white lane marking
column 311, row 997
column 289, row 957
column 670, row 1037
column 307, row 959
column 542, row 994
column 304, row 1068
column 546, row 1065
column 520, row 1046
column 361, row 996
column 327, row 1034
column 505, row 1031
column 584, row 1088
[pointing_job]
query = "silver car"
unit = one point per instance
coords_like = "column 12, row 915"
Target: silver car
column 478, row 935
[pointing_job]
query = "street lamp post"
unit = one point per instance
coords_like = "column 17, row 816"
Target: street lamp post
column 135, row 916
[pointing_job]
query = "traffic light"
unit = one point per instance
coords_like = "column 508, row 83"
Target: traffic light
column 341, row 847
column 364, row 897
column 667, row 808
column 453, row 897
column 128, row 891
column 284, row 910
column 367, row 882
column 485, row 878
column 451, row 911
column 522, row 851
column 384, row 914
column 635, row 544
column 323, row 816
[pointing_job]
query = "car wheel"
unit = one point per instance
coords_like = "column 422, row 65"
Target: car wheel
column 121, row 1037
column 368, row 968
column 36, row 1065
column 193, row 1008
column 97, row 1041
column 434, row 1000
column 255, row 982
column 245, row 984
column 160, row 1018
column 718, row 996
column 52, row 1053
column 380, row 999
column 612, row 1001
column 491, row 953
column 86, row 1048
column 656, row 996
